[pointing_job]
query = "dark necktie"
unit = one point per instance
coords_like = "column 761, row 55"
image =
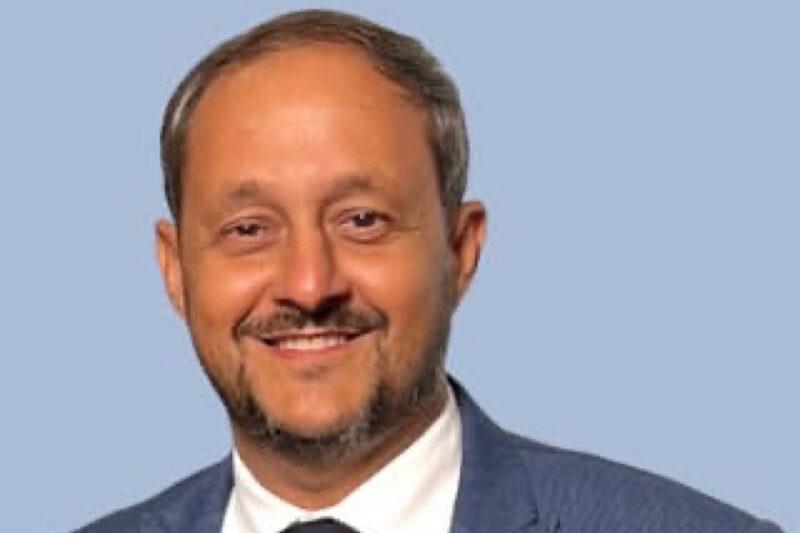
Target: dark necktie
column 325, row 525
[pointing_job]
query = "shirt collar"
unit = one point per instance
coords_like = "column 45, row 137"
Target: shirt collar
column 415, row 491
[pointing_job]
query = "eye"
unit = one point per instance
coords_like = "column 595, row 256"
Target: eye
column 248, row 234
column 247, row 229
column 364, row 225
column 365, row 219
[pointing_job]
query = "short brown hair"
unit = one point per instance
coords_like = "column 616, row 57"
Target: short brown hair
column 399, row 57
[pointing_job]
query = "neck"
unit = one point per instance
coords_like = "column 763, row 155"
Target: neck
column 314, row 486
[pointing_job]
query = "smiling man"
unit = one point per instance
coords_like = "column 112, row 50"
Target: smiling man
column 315, row 168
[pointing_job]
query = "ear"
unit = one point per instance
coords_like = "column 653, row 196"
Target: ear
column 467, row 236
column 170, row 263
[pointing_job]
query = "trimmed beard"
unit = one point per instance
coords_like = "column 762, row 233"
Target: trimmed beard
column 383, row 412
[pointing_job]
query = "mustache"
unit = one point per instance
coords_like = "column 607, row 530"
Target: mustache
column 289, row 319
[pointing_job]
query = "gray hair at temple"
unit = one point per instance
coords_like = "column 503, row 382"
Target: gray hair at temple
column 399, row 57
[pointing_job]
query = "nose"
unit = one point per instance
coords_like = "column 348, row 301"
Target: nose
column 309, row 275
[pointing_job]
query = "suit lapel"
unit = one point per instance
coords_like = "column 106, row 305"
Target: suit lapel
column 495, row 492
column 199, row 509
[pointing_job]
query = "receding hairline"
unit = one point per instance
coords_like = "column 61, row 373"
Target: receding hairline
column 191, row 99
column 316, row 48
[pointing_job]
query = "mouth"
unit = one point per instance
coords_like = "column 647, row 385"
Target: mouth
column 311, row 340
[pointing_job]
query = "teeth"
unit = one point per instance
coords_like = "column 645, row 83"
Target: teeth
column 311, row 343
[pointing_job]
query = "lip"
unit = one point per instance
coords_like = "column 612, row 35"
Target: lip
column 311, row 345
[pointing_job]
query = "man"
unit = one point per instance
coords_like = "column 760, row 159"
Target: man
column 315, row 168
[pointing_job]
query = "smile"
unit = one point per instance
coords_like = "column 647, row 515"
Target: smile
column 310, row 340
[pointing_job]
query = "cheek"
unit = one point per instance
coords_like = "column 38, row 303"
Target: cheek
column 410, row 291
column 219, row 295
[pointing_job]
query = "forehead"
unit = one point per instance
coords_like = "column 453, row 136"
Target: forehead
column 311, row 109
column 322, row 69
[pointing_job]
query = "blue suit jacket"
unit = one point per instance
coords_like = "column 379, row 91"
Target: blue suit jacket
column 508, row 484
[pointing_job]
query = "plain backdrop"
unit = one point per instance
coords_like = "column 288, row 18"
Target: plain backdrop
column 639, row 297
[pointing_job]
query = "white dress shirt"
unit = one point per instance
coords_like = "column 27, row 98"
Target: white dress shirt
column 416, row 491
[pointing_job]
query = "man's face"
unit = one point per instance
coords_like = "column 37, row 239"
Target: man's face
column 312, row 261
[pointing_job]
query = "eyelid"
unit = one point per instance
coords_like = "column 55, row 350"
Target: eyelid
column 350, row 214
column 231, row 227
column 267, row 230
column 248, row 218
column 369, row 233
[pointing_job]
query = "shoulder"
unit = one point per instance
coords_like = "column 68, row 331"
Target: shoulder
column 574, row 491
column 202, row 494
column 585, row 490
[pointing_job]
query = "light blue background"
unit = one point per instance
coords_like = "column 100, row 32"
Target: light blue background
column 639, row 297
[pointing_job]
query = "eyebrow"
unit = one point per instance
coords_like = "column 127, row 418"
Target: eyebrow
column 247, row 192
column 255, row 192
column 351, row 184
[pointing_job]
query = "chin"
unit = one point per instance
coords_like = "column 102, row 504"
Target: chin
column 319, row 438
column 317, row 423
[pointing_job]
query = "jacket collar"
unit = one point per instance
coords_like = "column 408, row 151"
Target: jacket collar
column 495, row 493
column 199, row 508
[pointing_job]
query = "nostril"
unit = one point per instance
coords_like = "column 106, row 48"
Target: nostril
column 316, row 312
column 328, row 306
